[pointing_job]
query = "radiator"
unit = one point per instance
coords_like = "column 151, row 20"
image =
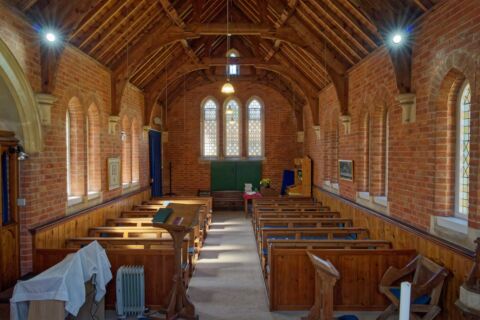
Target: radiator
column 130, row 285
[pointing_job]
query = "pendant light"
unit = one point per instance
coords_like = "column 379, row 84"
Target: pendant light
column 227, row 87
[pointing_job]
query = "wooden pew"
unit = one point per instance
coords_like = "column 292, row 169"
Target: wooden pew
column 320, row 244
column 125, row 243
column 158, row 267
column 130, row 222
column 289, row 214
column 291, row 277
column 309, row 234
column 127, row 232
column 196, row 234
column 310, row 208
column 266, row 221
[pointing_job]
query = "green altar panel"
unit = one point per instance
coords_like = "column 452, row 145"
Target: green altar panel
column 232, row 175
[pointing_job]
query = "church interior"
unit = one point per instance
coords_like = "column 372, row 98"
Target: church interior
column 239, row 159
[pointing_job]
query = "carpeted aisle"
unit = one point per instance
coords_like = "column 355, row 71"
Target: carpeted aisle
column 228, row 281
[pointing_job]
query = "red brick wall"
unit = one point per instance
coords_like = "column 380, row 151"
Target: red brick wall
column 183, row 148
column 420, row 158
column 86, row 83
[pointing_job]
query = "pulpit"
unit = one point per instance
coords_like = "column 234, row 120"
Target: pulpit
column 303, row 178
column 179, row 223
column 326, row 275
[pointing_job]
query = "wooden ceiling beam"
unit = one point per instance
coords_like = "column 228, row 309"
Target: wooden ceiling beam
column 352, row 22
column 113, row 50
column 316, row 8
column 108, row 34
column 88, row 19
column 112, row 12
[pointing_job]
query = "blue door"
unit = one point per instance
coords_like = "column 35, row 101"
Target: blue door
column 155, row 144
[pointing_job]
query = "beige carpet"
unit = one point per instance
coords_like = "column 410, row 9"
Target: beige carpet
column 228, row 281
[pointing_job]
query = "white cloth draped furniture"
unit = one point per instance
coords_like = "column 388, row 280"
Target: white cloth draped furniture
column 65, row 281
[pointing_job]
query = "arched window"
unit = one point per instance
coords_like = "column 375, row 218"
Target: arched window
column 232, row 128
column 367, row 138
column 462, row 170
column 93, row 151
column 255, row 128
column 75, row 151
column 386, row 152
column 126, row 152
column 334, row 152
column 209, row 127
column 68, row 153
column 135, row 152
column 233, row 69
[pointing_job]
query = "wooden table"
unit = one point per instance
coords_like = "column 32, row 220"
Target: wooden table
column 180, row 223
column 246, row 197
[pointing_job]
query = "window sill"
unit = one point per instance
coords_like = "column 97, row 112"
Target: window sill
column 78, row 203
column 376, row 203
column 129, row 187
column 93, row 195
column 332, row 187
column 381, row 200
column 453, row 223
column 74, row 200
column 363, row 195
column 455, row 230
column 209, row 159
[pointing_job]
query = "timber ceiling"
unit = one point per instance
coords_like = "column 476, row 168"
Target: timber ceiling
column 293, row 46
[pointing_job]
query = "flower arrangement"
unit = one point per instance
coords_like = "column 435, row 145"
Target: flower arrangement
column 265, row 182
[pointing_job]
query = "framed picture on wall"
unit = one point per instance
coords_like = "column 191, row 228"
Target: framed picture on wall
column 114, row 173
column 345, row 169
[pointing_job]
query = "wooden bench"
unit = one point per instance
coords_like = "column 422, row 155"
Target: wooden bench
column 127, row 232
column 291, row 280
column 158, row 269
column 321, row 244
column 295, row 215
column 309, row 234
column 130, row 222
column 264, row 209
column 295, row 222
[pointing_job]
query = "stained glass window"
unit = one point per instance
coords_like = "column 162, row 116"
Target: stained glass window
column 463, row 152
column 210, row 129
column 232, row 129
column 255, row 129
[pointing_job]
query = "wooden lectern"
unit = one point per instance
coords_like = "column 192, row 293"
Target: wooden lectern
column 180, row 223
column 326, row 275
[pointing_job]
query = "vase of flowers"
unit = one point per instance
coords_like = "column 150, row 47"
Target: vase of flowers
column 265, row 183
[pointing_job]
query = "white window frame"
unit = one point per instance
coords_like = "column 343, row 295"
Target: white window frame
column 202, row 127
column 262, row 120
column 69, row 152
column 458, row 149
column 387, row 149
column 240, row 133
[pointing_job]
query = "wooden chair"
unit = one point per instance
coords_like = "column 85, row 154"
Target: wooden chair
column 427, row 283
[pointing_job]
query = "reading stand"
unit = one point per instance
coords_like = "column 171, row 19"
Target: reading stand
column 180, row 222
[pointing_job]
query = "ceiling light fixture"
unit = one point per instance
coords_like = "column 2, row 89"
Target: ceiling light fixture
column 227, row 87
column 398, row 38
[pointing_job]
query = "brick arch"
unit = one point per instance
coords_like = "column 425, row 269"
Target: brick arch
column 378, row 107
column 126, row 150
column 76, row 139
column 136, row 136
column 446, row 82
column 94, row 173
column 330, row 142
column 362, row 165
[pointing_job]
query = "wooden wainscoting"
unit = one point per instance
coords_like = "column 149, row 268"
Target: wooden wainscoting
column 52, row 234
column 456, row 259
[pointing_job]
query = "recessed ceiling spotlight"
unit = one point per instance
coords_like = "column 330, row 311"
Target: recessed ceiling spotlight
column 397, row 38
column 50, row 36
